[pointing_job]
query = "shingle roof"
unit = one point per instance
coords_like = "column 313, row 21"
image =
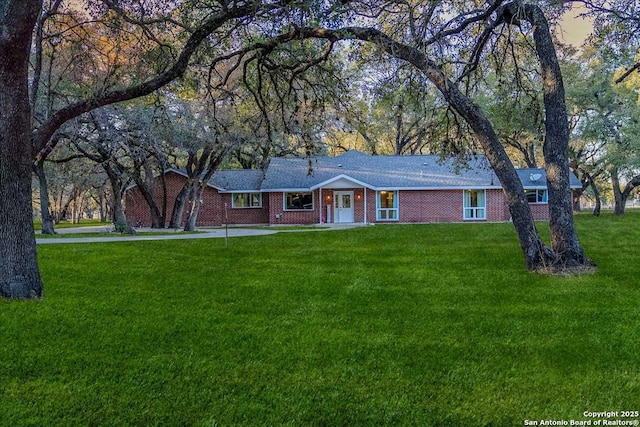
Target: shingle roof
column 537, row 178
column 375, row 172
column 237, row 180
column 379, row 172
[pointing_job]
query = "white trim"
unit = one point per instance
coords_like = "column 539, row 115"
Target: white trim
column 365, row 206
column 321, row 204
column 250, row 193
column 336, row 198
column 241, row 191
column 451, row 188
column 287, row 190
column 475, row 209
column 454, row 188
column 397, row 209
column 536, row 201
column 339, row 177
column 284, row 202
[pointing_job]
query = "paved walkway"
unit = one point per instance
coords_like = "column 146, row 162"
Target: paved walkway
column 204, row 233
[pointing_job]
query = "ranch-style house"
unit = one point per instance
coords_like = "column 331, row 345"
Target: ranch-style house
column 353, row 188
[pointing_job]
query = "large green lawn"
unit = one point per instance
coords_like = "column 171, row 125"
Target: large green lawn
column 430, row 325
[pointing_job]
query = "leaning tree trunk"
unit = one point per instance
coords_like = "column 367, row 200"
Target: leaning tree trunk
column 178, row 205
column 193, row 207
column 564, row 237
column 19, row 273
column 596, row 194
column 45, row 205
column 537, row 255
column 148, row 193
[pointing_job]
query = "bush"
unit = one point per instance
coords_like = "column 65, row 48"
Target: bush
column 122, row 227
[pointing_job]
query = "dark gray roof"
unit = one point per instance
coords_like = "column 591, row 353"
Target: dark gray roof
column 237, row 180
column 379, row 172
column 375, row 172
column 231, row 180
column 537, row 178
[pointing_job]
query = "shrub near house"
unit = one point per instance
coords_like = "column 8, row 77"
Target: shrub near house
column 354, row 188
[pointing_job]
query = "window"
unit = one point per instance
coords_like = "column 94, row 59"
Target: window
column 475, row 205
column 246, row 200
column 387, row 205
column 536, row 196
column 298, row 201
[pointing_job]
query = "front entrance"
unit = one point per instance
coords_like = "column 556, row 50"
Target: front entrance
column 343, row 210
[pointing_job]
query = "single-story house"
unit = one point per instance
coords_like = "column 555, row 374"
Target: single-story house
column 354, row 188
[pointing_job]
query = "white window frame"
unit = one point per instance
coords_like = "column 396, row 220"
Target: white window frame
column 284, row 201
column 474, row 210
column 250, row 196
column 542, row 196
column 395, row 210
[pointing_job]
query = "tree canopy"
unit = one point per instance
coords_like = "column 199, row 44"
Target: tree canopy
column 281, row 64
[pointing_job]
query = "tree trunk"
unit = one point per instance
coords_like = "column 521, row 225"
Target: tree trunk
column 596, row 195
column 45, row 208
column 195, row 193
column 178, row 205
column 211, row 157
column 117, row 211
column 163, row 179
column 538, row 256
column 149, row 191
column 146, row 186
column 19, row 273
column 619, row 198
column 102, row 204
column 567, row 251
column 190, row 224
column 564, row 238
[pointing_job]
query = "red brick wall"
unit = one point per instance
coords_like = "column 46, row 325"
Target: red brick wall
column 211, row 211
column 278, row 215
column 414, row 206
column 540, row 211
column 430, row 206
column 497, row 209
column 358, row 203
column 246, row 215
column 437, row 206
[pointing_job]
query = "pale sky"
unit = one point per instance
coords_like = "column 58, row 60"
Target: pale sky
column 574, row 29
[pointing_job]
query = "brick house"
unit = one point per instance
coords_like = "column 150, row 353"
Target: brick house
column 354, row 187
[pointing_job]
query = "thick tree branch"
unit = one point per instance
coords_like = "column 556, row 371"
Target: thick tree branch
column 42, row 135
column 535, row 251
column 627, row 73
column 631, row 185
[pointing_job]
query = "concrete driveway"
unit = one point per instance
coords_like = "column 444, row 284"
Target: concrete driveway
column 202, row 234
column 205, row 233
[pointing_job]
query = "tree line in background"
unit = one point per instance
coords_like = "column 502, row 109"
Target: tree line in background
column 102, row 94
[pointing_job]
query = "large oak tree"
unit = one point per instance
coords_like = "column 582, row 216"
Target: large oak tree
column 21, row 144
column 239, row 32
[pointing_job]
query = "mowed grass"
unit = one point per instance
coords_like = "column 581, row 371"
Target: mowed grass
column 68, row 224
column 431, row 325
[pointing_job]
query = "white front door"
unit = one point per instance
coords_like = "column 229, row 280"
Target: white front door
column 343, row 210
